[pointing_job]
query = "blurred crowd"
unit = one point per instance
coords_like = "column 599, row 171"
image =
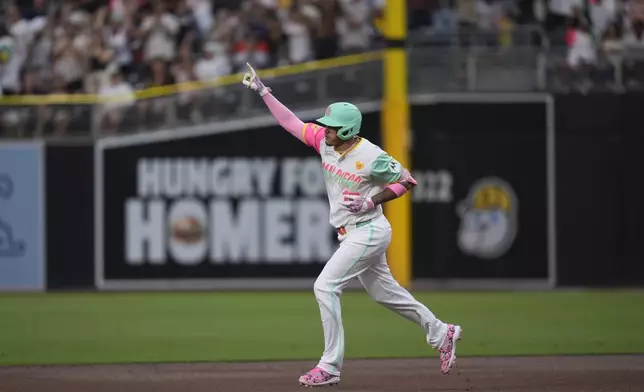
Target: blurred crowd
column 600, row 32
column 108, row 46
column 78, row 46
column 591, row 31
column 116, row 47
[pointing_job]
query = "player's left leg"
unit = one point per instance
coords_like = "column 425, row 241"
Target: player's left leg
column 384, row 289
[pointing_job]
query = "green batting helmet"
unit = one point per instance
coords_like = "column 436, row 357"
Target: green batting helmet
column 344, row 115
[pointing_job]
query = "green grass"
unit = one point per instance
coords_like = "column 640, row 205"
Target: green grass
column 160, row 327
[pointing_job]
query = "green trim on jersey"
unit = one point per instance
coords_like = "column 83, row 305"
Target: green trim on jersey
column 386, row 169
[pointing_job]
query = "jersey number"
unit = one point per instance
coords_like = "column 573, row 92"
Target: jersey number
column 433, row 186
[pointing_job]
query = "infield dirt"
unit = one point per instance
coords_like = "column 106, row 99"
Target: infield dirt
column 502, row 374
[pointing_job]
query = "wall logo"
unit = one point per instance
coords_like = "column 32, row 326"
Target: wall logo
column 9, row 246
column 488, row 219
column 188, row 229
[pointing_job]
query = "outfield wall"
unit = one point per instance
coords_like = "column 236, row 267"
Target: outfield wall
column 22, row 217
column 514, row 190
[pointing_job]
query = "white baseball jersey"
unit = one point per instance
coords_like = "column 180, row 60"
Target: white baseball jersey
column 364, row 170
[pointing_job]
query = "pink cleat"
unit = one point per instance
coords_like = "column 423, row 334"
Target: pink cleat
column 317, row 377
column 448, row 348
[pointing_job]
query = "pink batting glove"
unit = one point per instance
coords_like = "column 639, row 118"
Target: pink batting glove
column 253, row 82
column 359, row 204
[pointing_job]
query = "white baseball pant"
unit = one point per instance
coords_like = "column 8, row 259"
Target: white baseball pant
column 362, row 254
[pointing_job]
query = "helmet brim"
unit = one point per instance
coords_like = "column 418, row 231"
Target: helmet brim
column 329, row 122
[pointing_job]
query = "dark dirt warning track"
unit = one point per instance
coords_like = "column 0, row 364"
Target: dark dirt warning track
column 524, row 374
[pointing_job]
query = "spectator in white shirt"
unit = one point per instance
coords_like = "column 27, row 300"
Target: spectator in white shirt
column 158, row 32
column 271, row 4
column 119, row 96
column 214, row 64
column 581, row 49
column 353, row 27
column 489, row 13
column 37, row 68
column 203, row 13
column 602, row 14
column 21, row 33
column 298, row 29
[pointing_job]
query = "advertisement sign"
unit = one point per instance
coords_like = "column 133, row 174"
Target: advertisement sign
column 482, row 208
column 22, row 256
column 207, row 209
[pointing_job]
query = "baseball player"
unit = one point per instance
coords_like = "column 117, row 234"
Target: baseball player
column 359, row 178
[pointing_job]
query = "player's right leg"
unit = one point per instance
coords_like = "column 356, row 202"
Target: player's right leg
column 351, row 259
column 384, row 289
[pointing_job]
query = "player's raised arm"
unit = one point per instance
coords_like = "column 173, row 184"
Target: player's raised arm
column 309, row 134
column 385, row 169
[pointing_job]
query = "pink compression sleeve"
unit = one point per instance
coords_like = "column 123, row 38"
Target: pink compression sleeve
column 398, row 189
column 284, row 117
